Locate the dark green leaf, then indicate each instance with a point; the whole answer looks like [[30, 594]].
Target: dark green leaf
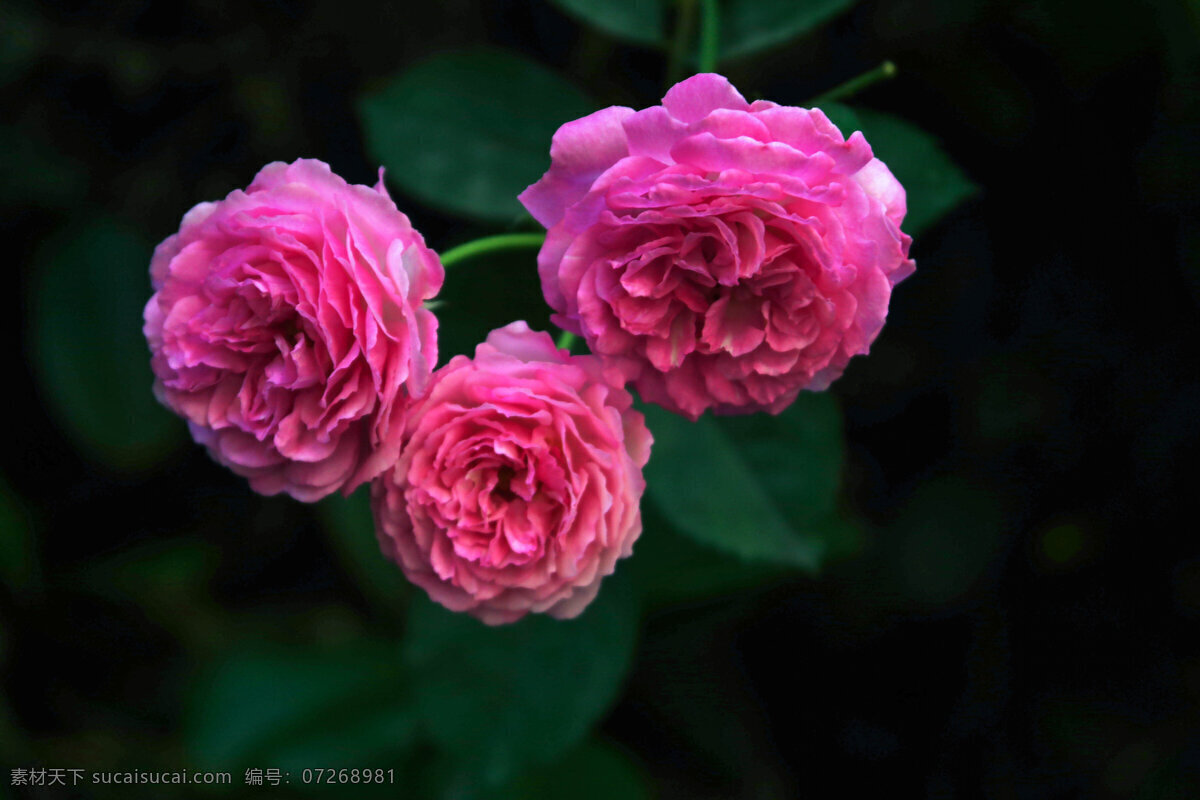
[[595, 771], [669, 568], [707, 488], [351, 531], [89, 288], [796, 455], [499, 698], [293, 708], [639, 21], [933, 183], [467, 132], [748, 26]]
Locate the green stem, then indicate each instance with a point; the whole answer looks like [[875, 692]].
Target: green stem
[[710, 35], [489, 244], [565, 341], [684, 22], [855, 85]]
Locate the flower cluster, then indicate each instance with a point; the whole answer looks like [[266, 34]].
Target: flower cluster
[[713, 253]]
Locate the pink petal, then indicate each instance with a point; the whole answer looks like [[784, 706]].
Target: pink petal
[[693, 99], [579, 152]]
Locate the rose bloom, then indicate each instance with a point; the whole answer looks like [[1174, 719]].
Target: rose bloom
[[287, 328], [732, 253], [519, 484]]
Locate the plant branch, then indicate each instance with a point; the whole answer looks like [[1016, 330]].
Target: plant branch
[[490, 244], [853, 86]]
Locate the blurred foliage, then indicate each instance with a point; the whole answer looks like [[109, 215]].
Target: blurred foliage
[[638, 21], [91, 283], [351, 533], [298, 707], [673, 568], [31, 171], [934, 185], [746, 26], [498, 698], [594, 771], [459, 131], [767, 486], [944, 541]]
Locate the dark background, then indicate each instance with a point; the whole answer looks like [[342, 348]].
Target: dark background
[[1022, 619]]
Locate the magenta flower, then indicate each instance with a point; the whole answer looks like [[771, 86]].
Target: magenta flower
[[519, 484], [730, 253], [287, 328]]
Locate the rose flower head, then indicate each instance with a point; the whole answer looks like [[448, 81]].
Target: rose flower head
[[287, 328], [731, 253], [519, 484]]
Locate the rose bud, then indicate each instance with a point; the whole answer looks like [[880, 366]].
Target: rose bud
[[519, 484], [287, 328], [730, 253]]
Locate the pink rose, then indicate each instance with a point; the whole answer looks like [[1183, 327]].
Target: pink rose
[[731, 253], [519, 483], [287, 328]]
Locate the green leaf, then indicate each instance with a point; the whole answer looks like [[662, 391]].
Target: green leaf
[[639, 21], [89, 288], [796, 455], [595, 771], [467, 132], [933, 183], [351, 531], [292, 708], [499, 698], [713, 488], [748, 26], [669, 568]]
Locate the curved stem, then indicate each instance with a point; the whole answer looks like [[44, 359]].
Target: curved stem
[[489, 244], [565, 341], [855, 85], [710, 35]]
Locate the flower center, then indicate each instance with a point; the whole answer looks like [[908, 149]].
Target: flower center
[[502, 489]]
